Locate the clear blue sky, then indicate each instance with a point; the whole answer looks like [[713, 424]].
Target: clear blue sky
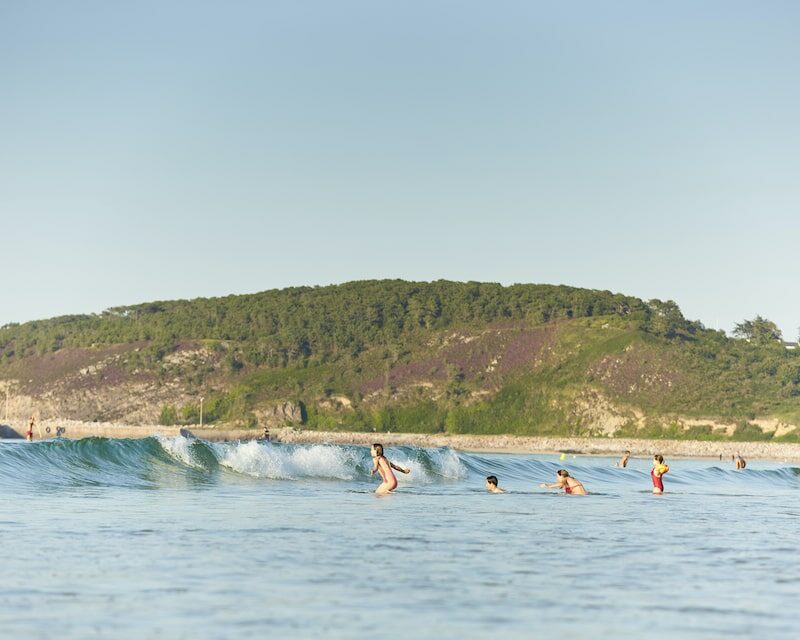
[[158, 150]]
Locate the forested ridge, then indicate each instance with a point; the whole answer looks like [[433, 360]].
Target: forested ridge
[[279, 327]]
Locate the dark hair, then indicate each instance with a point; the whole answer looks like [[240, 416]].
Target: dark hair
[[492, 480], [659, 457], [627, 453], [378, 449], [563, 473]]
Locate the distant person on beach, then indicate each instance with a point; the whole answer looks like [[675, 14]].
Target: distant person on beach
[[491, 485], [29, 434], [623, 462], [658, 470], [741, 463], [384, 466], [567, 483]]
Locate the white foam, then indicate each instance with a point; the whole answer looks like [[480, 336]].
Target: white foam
[[281, 463], [180, 448], [450, 465], [444, 463], [327, 462]]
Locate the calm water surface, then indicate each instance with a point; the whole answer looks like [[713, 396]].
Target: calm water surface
[[172, 538]]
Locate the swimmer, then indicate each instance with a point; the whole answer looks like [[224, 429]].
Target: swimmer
[[566, 482], [740, 462], [623, 462], [29, 434], [491, 485], [658, 470], [384, 466]]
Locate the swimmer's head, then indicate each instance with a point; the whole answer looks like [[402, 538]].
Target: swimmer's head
[[491, 480], [563, 473], [659, 458], [377, 449]]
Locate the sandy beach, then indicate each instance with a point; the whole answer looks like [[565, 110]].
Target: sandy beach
[[488, 443]]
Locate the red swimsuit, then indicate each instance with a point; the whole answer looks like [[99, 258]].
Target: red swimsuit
[[657, 482]]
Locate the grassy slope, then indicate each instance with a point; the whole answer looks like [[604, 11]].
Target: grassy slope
[[634, 370]]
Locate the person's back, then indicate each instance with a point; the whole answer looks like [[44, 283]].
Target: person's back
[[574, 487]]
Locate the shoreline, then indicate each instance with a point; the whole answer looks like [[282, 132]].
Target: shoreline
[[75, 430], [611, 447]]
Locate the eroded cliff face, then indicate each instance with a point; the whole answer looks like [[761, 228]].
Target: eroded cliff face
[[281, 414], [108, 383], [138, 403], [127, 403], [98, 384]]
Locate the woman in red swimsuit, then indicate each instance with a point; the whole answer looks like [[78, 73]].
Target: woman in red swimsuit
[[566, 482], [658, 470]]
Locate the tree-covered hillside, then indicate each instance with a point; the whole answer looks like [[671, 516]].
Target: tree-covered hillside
[[282, 327], [440, 356]]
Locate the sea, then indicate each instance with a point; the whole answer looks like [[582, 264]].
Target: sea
[[173, 537]]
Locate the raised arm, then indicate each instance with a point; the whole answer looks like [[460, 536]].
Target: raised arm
[[400, 469]]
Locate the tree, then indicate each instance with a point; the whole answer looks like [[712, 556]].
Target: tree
[[758, 331], [665, 318], [169, 415]]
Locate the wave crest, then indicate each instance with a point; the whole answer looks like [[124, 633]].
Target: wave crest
[[158, 461]]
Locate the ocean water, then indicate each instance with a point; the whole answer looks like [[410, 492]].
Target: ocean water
[[178, 538]]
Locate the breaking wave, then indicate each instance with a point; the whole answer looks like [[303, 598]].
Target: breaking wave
[[164, 461]]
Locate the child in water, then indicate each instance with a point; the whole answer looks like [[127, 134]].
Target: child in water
[[384, 466], [566, 482], [491, 485], [659, 469]]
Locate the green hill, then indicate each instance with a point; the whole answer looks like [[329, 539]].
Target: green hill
[[408, 356]]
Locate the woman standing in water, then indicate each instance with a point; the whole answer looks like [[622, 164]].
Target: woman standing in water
[[384, 466], [658, 470]]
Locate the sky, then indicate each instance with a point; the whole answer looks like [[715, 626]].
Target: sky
[[157, 150]]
